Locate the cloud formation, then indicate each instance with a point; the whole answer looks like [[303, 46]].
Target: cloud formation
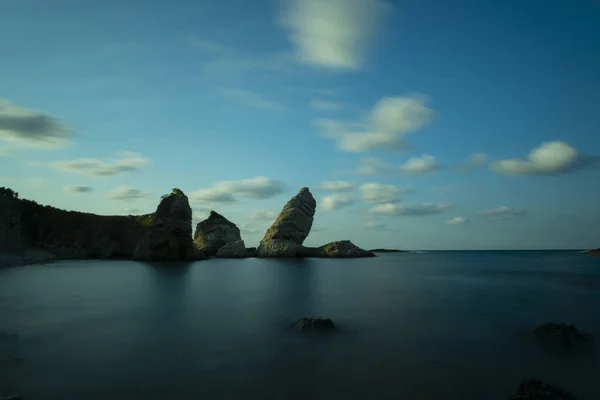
[[30, 128], [457, 221], [337, 186], [127, 194], [263, 215], [502, 212], [550, 158], [255, 100], [78, 189], [332, 34], [393, 209], [325, 105], [223, 192], [424, 164], [126, 162], [375, 225], [335, 202], [420, 165], [380, 193]]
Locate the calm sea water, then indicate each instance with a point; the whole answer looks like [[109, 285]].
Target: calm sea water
[[441, 325]]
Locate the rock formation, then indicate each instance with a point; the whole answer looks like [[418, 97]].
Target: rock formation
[[592, 252], [215, 232], [235, 249], [561, 336], [313, 325], [533, 389], [10, 227], [170, 234], [342, 249], [285, 236]]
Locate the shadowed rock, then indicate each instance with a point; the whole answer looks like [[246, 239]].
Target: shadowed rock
[[561, 335], [534, 389], [235, 249], [342, 249], [313, 325], [215, 232], [285, 236], [170, 235]]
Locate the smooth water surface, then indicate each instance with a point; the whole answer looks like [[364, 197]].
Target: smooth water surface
[[440, 325]]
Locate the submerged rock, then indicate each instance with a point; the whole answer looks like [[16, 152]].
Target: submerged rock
[[215, 232], [170, 235], [342, 249], [235, 249], [313, 325], [534, 389], [285, 236], [561, 335]]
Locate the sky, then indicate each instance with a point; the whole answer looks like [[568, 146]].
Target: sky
[[416, 124]]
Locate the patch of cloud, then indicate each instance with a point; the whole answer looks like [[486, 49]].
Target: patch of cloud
[[381, 193], [255, 100], [335, 202], [385, 128], [502, 212], [31, 128], [263, 215], [550, 158], [457, 221], [370, 166], [420, 165], [258, 188], [78, 189], [394, 209], [4, 151], [132, 211], [375, 225], [247, 229], [333, 34], [127, 194], [337, 186], [325, 105], [126, 162]]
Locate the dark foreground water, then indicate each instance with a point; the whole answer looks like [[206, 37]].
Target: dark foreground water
[[443, 325]]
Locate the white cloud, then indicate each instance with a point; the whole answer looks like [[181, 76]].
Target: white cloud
[[258, 188], [127, 161], [393, 209], [372, 224], [370, 166], [325, 105], [335, 202], [264, 215], [457, 221], [386, 126], [337, 186], [247, 229], [420, 165], [127, 194], [31, 128], [332, 33], [380, 193], [474, 161], [502, 212], [548, 159], [78, 189], [255, 100]]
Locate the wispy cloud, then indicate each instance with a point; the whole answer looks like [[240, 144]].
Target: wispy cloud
[[374, 224], [263, 215], [127, 194], [386, 127], [474, 161], [335, 202], [333, 34], [255, 100], [30, 128], [502, 212], [126, 162], [225, 192], [337, 186], [325, 105], [457, 221], [550, 158], [394, 209], [78, 189], [420, 165], [424, 164], [381, 193]]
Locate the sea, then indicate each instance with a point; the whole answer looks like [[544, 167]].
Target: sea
[[443, 325]]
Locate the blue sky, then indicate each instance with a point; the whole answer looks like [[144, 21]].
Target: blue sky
[[417, 124]]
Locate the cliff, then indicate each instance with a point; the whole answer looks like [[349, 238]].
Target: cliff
[[215, 232]]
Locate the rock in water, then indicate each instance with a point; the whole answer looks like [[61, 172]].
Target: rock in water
[[534, 389], [285, 237], [343, 249], [235, 249], [170, 235], [215, 232], [564, 336], [313, 325]]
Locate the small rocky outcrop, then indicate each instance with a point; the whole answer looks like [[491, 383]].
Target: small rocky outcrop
[[533, 389], [564, 336], [592, 252], [313, 325], [235, 249], [342, 249], [215, 232], [170, 235], [285, 236]]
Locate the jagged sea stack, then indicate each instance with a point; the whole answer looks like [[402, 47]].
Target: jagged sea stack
[[215, 232], [170, 235], [285, 236]]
